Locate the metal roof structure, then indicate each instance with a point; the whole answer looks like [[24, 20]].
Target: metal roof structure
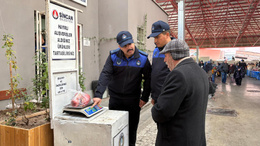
[[216, 23]]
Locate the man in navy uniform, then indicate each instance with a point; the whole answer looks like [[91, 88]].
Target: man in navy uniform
[[161, 34], [123, 73]]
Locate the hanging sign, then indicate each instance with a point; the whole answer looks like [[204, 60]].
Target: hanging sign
[[82, 2], [62, 32]]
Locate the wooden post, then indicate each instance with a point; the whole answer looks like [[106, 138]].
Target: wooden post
[[12, 86]]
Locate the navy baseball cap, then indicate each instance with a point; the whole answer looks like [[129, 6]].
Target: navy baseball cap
[[158, 27], [123, 38]]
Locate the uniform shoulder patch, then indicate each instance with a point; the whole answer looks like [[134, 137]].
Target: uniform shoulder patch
[[143, 53], [114, 51], [156, 50]]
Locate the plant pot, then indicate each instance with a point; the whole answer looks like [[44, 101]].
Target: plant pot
[[38, 136]]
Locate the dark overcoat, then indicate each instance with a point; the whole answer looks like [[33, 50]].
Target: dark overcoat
[[181, 108]]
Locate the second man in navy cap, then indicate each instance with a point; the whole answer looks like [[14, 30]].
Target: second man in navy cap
[[123, 73], [161, 34]]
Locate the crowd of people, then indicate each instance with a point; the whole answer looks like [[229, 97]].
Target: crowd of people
[[236, 71]]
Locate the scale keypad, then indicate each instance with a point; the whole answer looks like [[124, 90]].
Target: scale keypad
[[93, 110]]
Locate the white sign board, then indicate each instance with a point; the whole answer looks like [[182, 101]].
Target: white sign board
[[62, 32], [61, 85], [62, 55], [82, 2]]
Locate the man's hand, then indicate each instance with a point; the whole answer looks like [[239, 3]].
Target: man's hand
[[141, 103], [96, 101], [152, 101]]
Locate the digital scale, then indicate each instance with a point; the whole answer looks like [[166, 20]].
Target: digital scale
[[87, 111]]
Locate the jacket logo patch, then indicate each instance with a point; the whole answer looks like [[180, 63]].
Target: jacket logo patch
[[155, 53], [138, 62], [118, 61]]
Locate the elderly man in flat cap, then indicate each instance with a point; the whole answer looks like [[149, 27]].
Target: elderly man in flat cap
[[181, 107]]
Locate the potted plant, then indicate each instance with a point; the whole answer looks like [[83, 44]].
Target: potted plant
[[10, 134]]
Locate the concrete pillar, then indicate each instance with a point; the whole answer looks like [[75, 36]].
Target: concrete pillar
[[197, 54], [181, 20]]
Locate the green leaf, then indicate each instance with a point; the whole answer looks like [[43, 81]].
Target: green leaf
[[43, 92]]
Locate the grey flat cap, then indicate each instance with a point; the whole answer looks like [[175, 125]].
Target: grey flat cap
[[178, 49]]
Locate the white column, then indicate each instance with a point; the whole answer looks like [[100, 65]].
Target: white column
[[197, 54], [181, 20]]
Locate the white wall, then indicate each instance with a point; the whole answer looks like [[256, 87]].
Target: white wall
[[17, 18], [137, 10], [119, 15], [101, 21], [112, 20]]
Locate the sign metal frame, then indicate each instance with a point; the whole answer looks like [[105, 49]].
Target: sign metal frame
[[66, 67]]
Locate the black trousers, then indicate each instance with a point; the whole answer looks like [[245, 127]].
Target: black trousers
[[132, 106], [238, 81]]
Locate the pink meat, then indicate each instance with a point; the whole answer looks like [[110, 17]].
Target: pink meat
[[80, 100]]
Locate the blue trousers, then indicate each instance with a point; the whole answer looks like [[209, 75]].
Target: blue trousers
[[213, 77], [224, 77]]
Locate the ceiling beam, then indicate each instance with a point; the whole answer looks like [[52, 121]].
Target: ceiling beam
[[251, 9], [217, 24], [206, 26], [221, 7], [256, 41]]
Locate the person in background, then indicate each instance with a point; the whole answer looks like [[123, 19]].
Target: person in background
[[161, 35], [231, 69], [209, 68], [214, 71], [123, 73], [205, 67], [218, 69], [212, 84], [224, 70], [201, 64], [242, 65], [181, 107], [42, 43], [238, 75]]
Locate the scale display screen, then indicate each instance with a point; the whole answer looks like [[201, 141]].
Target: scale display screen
[[91, 111], [87, 111]]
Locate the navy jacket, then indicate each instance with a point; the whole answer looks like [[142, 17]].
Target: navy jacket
[[159, 73], [224, 67], [180, 110], [123, 76]]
